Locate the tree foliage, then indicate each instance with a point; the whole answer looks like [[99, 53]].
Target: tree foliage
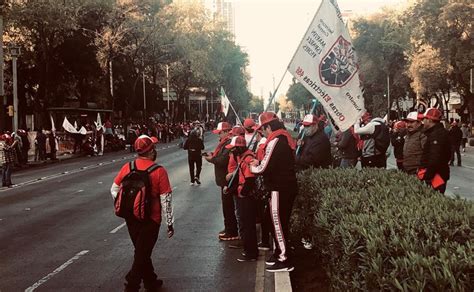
[[72, 50]]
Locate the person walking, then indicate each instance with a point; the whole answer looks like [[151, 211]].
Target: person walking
[[144, 234], [7, 158], [194, 145], [455, 138], [434, 169], [415, 141], [279, 175], [315, 146], [465, 135], [220, 159]]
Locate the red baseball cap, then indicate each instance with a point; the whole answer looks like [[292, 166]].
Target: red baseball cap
[[433, 114], [144, 144], [310, 120], [400, 125], [238, 131], [249, 123], [265, 118], [222, 126], [237, 141]]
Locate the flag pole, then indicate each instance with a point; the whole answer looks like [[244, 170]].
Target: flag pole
[[233, 109]]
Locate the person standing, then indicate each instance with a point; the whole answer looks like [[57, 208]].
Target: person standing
[[245, 189], [455, 138], [376, 137], [436, 155], [220, 159], [144, 234], [249, 126], [465, 136], [348, 148], [397, 138], [315, 146], [415, 141], [279, 175], [7, 158], [194, 145]]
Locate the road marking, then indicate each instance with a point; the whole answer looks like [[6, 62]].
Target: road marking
[[260, 273], [52, 274], [282, 282], [118, 228]]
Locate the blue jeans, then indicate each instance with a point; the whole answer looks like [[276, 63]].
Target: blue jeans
[[7, 174], [348, 162]]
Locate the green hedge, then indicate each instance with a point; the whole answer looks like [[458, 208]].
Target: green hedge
[[384, 230]]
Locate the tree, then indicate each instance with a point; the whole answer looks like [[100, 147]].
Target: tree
[[299, 95]]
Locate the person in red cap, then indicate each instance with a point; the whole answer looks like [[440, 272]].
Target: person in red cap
[[279, 176], [144, 234], [376, 137], [455, 138], [397, 138], [415, 141], [250, 127], [244, 184], [220, 159], [315, 146], [437, 151]]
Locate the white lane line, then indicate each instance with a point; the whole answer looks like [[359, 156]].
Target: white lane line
[[118, 228], [52, 274]]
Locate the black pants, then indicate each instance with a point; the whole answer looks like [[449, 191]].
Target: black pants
[[265, 220], [379, 161], [455, 149], [192, 163], [228, 209], [248, 218], [144, 236], [280, 206]]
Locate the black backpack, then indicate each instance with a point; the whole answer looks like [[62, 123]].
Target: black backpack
[[381, 137], [134, 197]]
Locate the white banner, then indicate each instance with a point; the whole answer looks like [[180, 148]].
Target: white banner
[[326, 64], [225, 102]]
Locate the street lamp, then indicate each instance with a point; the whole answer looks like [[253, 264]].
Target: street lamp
[[14, 53]]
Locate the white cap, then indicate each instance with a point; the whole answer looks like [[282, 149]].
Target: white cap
[[413, 116]]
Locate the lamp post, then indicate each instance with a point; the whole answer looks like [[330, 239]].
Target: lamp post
[[14, 53], [168, 86]]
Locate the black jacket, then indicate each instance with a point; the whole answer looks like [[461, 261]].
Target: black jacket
[[194, 145], [315, 152], [455, 136], [348, 146], [278, 166], [397, 140], [220, 161], [437, 153]]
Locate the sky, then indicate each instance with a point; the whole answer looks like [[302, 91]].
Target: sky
[[270, 31]]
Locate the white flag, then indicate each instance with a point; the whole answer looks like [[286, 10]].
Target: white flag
[[225, 102], [98, 124], [53, 128], [68, 127], [326, 64]]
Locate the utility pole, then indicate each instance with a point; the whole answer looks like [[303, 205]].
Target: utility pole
[[144, 93], [388, 98], [15, 52], [168, 87]]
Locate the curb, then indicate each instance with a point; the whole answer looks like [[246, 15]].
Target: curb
[[282, 282]]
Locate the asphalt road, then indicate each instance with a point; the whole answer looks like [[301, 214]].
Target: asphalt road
[[58, 231]]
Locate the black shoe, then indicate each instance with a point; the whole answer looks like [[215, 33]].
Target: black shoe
[[155, 287], [196, 179], [236, 244], [280, 267], [271, 260], [246, 258], [263, 246]]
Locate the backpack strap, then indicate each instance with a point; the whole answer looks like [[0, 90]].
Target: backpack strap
[[152, 168], [132, 166]]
